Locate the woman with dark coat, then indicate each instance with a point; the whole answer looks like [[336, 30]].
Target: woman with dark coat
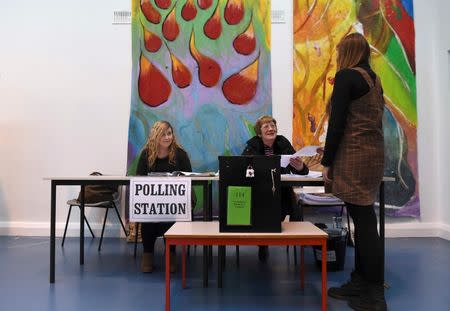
[[267, 142]]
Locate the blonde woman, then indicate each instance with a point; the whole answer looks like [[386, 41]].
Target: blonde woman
[[353, 163], [161, 153]]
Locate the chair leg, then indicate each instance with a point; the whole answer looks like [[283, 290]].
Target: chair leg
[[89, 227], [103, 230], [65, 228], [120, 219]]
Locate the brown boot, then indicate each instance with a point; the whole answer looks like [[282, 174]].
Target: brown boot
[[173, 262], [147, 263]]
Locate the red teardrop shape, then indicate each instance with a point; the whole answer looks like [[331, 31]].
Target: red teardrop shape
[[170, 28], [240, 87], [180, 73], [189, 11], [163, 4], [213, 27], [204, 4], [152, 41], [208, 70], [245, 43], [154, 89], [150, 13], [234, 12]]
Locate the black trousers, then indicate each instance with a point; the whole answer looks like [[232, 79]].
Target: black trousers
[[150, 231], [368, 246]]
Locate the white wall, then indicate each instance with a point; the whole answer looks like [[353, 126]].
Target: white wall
[[65, 96], [443, 82]]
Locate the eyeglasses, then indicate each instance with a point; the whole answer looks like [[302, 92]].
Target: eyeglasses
[[270, 125]]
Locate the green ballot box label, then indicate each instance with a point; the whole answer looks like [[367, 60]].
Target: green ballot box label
[[239, 202]]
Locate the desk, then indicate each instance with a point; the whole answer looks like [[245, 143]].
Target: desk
[[207, 233], [103, 180], [292, 180]]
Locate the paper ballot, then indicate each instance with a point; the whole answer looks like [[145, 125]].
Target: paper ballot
[[307, 151]]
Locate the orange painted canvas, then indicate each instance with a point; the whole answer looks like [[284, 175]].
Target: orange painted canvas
[[389, 27]]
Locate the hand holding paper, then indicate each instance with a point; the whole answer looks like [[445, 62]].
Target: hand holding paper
[[306, 151]]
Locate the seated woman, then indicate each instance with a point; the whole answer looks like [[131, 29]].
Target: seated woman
[[161, 153], [267, 142]]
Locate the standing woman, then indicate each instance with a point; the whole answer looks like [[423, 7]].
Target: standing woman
[[354, 162], [161, 153]]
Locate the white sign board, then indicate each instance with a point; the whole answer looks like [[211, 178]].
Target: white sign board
[[160, 199]]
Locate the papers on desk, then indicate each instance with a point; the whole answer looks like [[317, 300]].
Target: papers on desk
[[319, 199], [314, 174], [180, 173], [195, 174], [307, 151], [311, 174]]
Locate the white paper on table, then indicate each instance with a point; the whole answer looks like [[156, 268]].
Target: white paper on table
[[307, 151]]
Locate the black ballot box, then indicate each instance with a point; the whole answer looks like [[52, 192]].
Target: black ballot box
[[249, 194]]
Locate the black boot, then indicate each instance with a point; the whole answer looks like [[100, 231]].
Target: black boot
[[371, 299], [351, 289]]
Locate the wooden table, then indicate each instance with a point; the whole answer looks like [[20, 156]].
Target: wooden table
[[207, 233]]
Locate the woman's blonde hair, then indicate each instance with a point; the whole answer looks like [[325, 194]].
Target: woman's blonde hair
[[157, 131], [262, 120], [352, 50]]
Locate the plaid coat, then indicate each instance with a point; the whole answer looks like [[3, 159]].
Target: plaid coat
[[359, 163]]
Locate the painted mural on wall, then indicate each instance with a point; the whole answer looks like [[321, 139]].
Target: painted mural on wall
[[204, 66], [389, 27]]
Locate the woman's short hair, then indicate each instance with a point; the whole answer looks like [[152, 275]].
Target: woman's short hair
[[352, 50], [262, 120]]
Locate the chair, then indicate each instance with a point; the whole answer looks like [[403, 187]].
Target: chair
[[104, 204]]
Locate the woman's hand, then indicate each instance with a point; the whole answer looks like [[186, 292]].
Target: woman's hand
[[296, 163], [326, 174]]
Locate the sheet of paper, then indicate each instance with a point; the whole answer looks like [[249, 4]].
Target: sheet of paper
[[307, 151]]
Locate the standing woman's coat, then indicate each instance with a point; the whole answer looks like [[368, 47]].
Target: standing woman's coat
[[358, 166]]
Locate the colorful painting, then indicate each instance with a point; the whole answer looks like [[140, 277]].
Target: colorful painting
[[204, 66], [389, 27]]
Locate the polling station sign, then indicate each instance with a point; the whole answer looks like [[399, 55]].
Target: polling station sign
[[159, 199]]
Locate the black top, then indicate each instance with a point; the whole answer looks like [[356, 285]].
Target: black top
[[348, 85], [281, 145], [182, 163]]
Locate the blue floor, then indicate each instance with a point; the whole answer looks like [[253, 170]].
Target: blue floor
[[417, 270]]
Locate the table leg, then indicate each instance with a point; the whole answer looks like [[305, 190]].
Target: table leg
[[168, 274], [220, 257], [205, 266], [302, 266], [382, 224], [52, 231], [183, 265], [206, 208], [82, 225], [324, 275]]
